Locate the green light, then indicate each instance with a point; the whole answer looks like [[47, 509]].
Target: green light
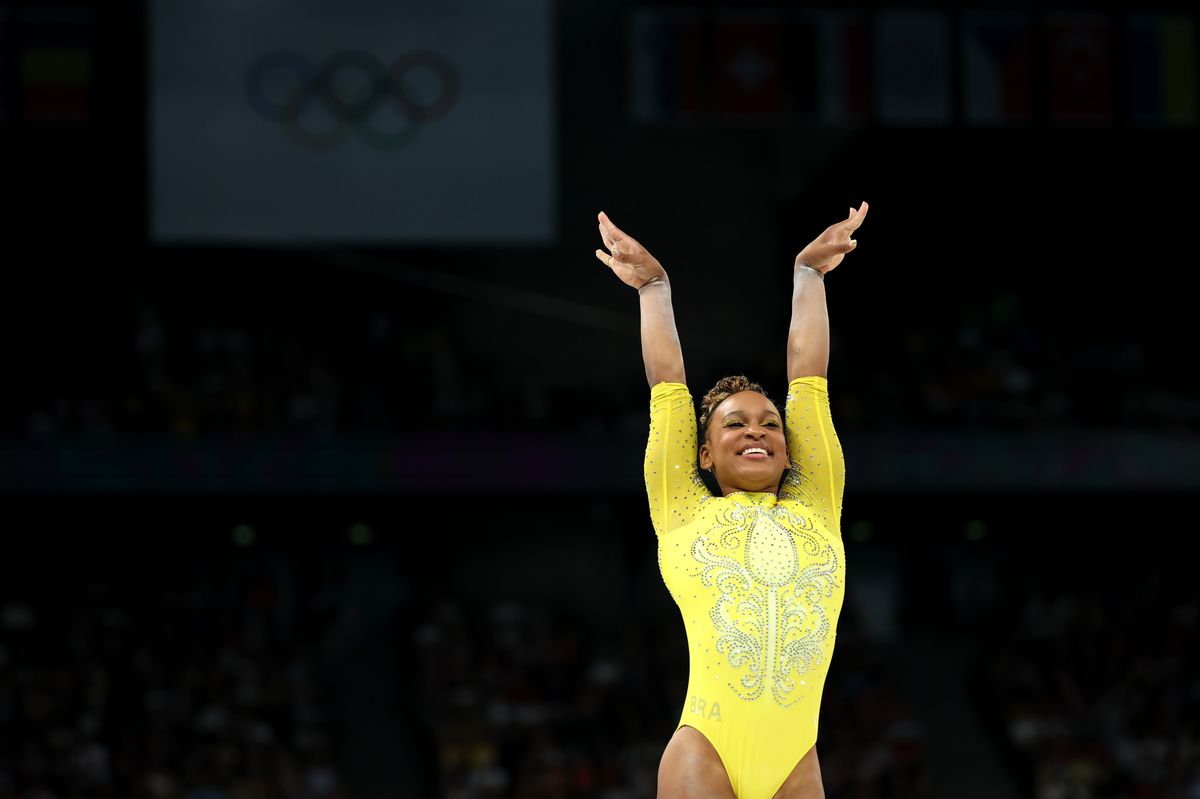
[[360, 534], [862, 531], [975, 530], [243, 535]]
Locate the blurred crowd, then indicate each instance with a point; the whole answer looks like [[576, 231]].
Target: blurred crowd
[[223, 672], [149, 685], [1094, 687], [187, 376], [228, 669], [993, 364], [527, 703]]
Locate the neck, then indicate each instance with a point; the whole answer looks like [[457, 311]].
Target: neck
[[727, 490]]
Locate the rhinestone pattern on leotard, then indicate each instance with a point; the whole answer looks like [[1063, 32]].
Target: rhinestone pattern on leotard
[[775, 576]]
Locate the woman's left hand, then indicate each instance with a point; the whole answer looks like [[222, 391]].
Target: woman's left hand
[[826, 251]]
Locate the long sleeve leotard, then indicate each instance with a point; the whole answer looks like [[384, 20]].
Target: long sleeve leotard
[[759, 581]]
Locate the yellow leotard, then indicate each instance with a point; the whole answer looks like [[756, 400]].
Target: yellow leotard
[[759, 581]]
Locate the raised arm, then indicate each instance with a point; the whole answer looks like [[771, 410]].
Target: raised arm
[[808, 334], [817, 477], [636, 267], [673, 485]]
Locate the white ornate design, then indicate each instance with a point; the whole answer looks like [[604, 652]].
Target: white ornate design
[[774, 573]]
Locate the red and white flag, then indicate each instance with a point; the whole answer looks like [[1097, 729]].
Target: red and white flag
[[748, 65]]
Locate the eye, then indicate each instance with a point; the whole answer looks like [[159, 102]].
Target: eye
[[733, 424], [771, 423]]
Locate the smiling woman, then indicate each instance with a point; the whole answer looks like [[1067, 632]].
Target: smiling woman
[[758, 571], [742, 409]]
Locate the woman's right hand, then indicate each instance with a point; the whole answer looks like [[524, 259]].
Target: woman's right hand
[[629, 260]]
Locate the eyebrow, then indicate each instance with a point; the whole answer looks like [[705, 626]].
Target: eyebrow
[[743, 413]]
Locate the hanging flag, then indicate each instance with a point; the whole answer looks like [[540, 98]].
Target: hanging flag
[[666, 65], [364, 122], [748, 65], [1162, 69], [826, 54], [912, 68], [1079, 68], [55, 63], [997, 61]]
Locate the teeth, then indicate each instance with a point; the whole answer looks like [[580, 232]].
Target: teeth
[[748, 450]]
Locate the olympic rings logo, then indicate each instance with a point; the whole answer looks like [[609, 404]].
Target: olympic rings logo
[[385, 105]]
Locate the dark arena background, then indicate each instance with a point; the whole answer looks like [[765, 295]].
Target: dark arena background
[[323, 427]]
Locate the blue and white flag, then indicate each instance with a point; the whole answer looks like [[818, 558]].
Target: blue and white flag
[[833, 79], [666, 66], [997, 74]]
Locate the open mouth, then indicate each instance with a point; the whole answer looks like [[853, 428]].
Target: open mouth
[[755, 453]]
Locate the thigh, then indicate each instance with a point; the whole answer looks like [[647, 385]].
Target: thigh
[[692, 769], [805, 780]]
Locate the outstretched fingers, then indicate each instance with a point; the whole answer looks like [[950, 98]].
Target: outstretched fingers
[[841, 234], [610, 233], [856, 217]]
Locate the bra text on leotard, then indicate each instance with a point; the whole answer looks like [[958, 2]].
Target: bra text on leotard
[[697, 707]]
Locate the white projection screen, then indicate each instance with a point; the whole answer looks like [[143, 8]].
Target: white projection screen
[[374, 122]]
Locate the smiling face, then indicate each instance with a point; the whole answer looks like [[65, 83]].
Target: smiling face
[[744, 445]]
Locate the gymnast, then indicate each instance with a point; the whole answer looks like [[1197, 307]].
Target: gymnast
[[757, 570]]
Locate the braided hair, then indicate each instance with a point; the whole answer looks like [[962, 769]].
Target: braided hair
[[725, 387]]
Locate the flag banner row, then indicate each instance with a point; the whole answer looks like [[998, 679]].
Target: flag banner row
[[913, 67]]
